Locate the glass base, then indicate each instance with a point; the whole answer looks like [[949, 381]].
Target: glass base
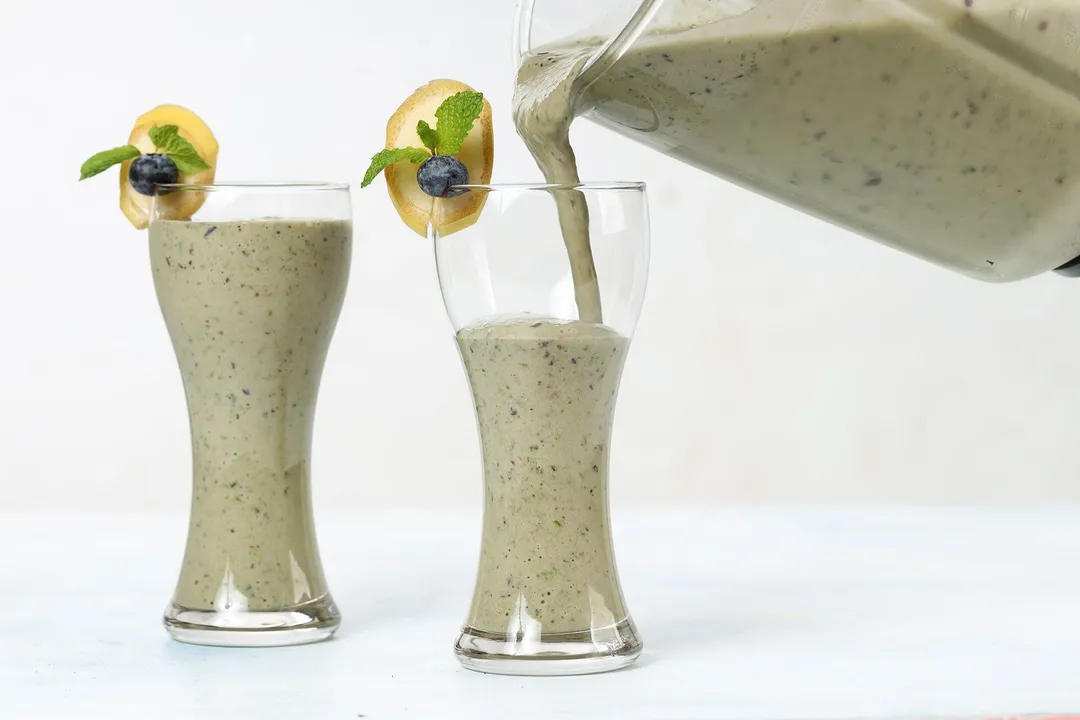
[[572, 653], [296, 625]]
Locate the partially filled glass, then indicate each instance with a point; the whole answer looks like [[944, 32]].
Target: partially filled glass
[[547, 599], [250, 289]]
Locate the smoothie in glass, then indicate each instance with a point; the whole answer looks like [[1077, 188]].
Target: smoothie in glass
[[544, 392], [251, 307]]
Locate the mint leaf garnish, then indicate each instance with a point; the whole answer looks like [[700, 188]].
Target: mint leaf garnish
[[167, 141], [455, 118], [428, 136], [187, 159], [162, 135], [106, 159], [384, 158]]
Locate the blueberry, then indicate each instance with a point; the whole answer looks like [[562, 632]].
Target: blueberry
[[439, 173], [149, 171]]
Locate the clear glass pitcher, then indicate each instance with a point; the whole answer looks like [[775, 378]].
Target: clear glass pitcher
[[949, 129]]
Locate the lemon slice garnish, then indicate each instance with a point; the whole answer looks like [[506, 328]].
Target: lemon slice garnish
[[477, 154], [178, 205]]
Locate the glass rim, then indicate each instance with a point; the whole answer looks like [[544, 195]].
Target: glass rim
[[586, 186], [289, 186]]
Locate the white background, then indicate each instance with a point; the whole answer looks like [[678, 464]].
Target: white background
[[778, 360]]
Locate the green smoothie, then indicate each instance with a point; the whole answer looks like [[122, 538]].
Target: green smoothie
[[545, 393], [251, 307]]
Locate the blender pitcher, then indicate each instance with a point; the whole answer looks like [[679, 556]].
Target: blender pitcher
[[949, 129]]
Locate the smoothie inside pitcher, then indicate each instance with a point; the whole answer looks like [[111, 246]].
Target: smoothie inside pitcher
[[949, 129]]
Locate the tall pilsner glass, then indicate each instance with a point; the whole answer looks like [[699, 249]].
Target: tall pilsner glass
[[251, 289], [547, 599]]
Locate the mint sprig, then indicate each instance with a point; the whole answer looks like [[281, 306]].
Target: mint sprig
[[384, 158], [428, 136], [454, 118], [105, 159], [166, 140]]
